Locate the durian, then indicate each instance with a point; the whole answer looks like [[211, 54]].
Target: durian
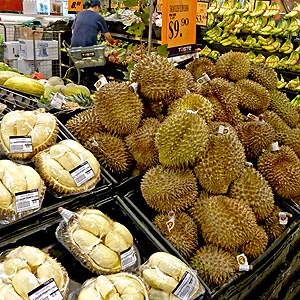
[[253, 97], [111, 151], [119, 109], [141, 144], [233, 65], [183, 236], [251, 187], [282, 170], [85, 124], [167, 189], [202, 65], [291, 138], [255, 137], [192, 85], [281, 105], [264, 75], [222, 163], [194, 102], [214, 265], [181, 139]]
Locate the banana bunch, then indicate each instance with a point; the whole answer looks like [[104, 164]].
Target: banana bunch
[[283, 63], [294, 25], [242, 23], [250, 22], [287, 47], [214, 54], [210, 19], [260, 9], [205, 51], [294, 58], [273, 47], [294, 84], [295, 68], [259, 23], [214, 7], [281, 83], [296, 101], [229, 40], [298, 49], [272, 61], [237, 42], [251, 55], [271, 25], [214, 33], [245, 10], [235, 6], [272, 11], [226, 6], [259, 59], [226, 21], [295, 11], [265, 42], [281, 27], [234, 21]]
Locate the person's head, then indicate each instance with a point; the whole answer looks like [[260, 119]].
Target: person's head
[[93, 5]]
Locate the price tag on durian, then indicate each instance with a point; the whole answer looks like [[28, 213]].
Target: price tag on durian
[[46, 291], [179, 26], [202, 7], [185, 286], [128, 258], [75, 5], [57, 100], [283, 218], [82, 173], [100, 83], [243, 262], [20, 144], [205, 78], [27, 200]]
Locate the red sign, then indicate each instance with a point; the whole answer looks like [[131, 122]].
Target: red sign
[[15, 5]]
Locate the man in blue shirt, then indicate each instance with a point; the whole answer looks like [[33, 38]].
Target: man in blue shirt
[[88, 24]]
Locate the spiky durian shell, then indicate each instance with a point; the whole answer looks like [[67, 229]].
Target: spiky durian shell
[[255, 137], [291, 138], [257, 245], [272, 226], [192, 85], [222, 163], [253, 97], [214, 265], [183, 236], [226, 222], [252, 188], [264, 75], [181, 139], [141, 144], [282, 170], [223, 96], [85, 124], [119, 109], [202, 65], [233, 65], [167, 189], [158, 79], [194, 102], [277, 123], [281, 104], [111, 152]]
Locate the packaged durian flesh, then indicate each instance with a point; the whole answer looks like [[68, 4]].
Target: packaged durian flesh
[[170, 278], [21, 191], [24, 269], [121, 286], [24, 133], [68, 168], [98, 243]]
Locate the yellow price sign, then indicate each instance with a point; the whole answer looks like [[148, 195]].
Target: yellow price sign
[[202, 13], [159, 6], [179, 24], [75, 5]]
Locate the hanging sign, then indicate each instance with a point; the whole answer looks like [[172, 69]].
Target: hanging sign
[[179, 25], [75, 5], [202, 7]]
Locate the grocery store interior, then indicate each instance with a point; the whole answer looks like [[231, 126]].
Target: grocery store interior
[[149, 149]]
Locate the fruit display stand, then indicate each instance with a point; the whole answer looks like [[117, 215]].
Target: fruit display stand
[[270, 269]]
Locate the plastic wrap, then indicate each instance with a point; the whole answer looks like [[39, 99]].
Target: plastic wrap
[[24, 133], [25, 268], [170, 278], [21, 191], [123, 285], [99, 243], [68, 168]]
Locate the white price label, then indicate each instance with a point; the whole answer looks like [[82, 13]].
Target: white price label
[[134, 85], [244, 268], [243, 262], [46, 291], [28, 200], [82, 173], [20, 144], [275, 146], [223, 130], [205, 78], [57, 100], [128, 258], [283, 218], [252, 117], [100, 83], [185, 286]]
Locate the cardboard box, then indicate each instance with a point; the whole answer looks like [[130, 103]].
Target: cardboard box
[[26, 33], [11, 50], [27, 67], [44, 50]]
